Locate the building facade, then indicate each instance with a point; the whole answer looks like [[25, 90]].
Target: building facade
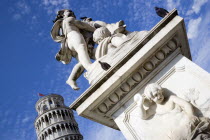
[[55, 121]]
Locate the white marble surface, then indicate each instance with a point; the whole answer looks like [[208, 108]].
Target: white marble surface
[[181, 78], [163, 59]]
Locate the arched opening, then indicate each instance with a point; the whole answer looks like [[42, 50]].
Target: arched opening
[[74, 128], [67, 126], [71, 127], [62, 113], [58, 104], [66, 113], [70, 114], [58, 128], [45, 108], [49, 132], [59, 114], [39, 123], [53, 130], [42, 137], [50, 117], [46, 120], [63, 128], [43, 122], [50, 102], [54, 115], [45, 134]]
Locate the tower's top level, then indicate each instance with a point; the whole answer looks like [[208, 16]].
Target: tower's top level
[[49, 102]]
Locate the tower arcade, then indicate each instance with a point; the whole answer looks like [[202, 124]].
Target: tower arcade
[[55, 120]]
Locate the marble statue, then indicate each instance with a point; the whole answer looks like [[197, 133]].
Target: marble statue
[[71, 36], [78, 68], [154, 105], [67, 31], [113, 36], [177, 107], [76, 38], [106, 41]]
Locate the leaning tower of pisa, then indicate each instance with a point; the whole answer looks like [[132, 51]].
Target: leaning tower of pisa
[[55, 121]]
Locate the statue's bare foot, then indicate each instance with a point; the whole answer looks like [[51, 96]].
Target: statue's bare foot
[[73, 84]]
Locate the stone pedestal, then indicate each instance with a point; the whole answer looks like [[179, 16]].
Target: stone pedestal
[[162, 56]]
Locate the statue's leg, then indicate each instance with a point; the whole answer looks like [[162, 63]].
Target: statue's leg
[[75, 74], [93, 54], [77, 41]]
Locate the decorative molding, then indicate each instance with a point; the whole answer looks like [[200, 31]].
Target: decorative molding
[[127, 119], [173, 27], [171, 72], [141, 73]]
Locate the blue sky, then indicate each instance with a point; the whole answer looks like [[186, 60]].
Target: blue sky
[[27, 54]]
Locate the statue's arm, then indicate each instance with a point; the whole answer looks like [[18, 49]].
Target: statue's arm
[[144, 114], [84, 25], [55, 32], [187, 107]]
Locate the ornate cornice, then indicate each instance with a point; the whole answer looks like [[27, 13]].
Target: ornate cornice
[[141, 73], [117, 66]]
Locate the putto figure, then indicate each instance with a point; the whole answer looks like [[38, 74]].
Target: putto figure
[[76, 38], [67, 31], [159, 103], [182, 122]]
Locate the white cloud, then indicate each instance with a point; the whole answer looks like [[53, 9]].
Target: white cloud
[[141, 14], [21, 9], [171, 4], [193, 28], [99, 6], [26, 119], [200, 45], [197, 4], [66, 4], [53, 6], [203, 54], [16, 16]]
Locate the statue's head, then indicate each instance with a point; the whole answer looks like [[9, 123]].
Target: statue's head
[[64, 13], [118, 27], [68, 13], [154, 92], [100, 33], [86, 19]]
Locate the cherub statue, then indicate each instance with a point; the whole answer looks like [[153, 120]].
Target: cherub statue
[[76, 41], [112, 36], [78, 68], [154, 101], [67, 31], [109, 38]]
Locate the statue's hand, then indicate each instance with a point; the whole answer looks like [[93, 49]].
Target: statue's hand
[[61, 37], [194, 120], [138, 99]]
